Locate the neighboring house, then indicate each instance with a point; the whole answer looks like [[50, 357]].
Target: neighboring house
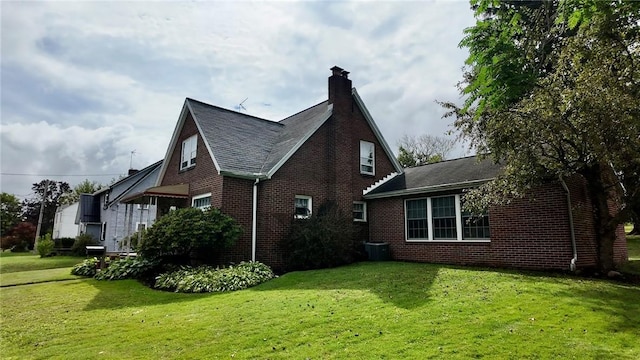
[[64, 222], [109, 220], [265, 174]]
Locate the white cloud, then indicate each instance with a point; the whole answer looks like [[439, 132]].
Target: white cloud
[[85, 83]]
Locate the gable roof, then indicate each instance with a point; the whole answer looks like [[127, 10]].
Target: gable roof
[[445, 175], [246, 146]]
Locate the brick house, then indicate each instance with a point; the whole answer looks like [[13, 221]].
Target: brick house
[[265, 173]]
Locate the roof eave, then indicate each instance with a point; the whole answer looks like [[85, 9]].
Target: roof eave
[[243, 175], [327, 114], [376, 131], [428, 189]]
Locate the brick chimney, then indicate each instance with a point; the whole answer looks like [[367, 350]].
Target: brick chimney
[[339, 85]]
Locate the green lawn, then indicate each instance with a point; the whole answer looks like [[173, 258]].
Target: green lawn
[[364, 311], [15, 262]]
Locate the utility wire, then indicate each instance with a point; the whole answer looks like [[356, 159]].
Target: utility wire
[[22, 174]]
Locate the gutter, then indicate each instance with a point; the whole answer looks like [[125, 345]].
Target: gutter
[[572, 265], [254, 224], [428, 189]]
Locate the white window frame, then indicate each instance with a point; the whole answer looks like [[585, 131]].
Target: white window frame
[[201, 196], [138, 223], [143, 206], [364, 160], [430, 222], [364, 211], [188, 152], [309, 206]]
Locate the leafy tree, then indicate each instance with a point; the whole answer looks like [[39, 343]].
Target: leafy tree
[[31, 207], [424, 149], [553, 89], [85, 187], [183, 233], [10, 212], [20, 238]]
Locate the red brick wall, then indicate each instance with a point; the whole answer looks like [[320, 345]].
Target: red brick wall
[[203, 177], [529, 233], [237, 195], [326, 167]]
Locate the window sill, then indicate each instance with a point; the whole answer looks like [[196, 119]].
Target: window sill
[[449, 241], [359, 221], [186, 169]]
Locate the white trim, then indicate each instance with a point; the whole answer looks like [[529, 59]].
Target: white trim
[[364, 211], [201, 196], [380, 182], [376, 131], [138, 225], [103, 231], [429, 189], [310, 206], [430, 227], [327, 114]]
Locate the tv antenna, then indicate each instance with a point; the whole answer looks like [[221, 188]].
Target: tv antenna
[[241, 107], [131, 159]]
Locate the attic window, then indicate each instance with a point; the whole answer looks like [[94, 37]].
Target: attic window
[[367, 158], [189, 150]]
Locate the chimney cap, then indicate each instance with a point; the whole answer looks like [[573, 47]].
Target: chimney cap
[[337, 70]]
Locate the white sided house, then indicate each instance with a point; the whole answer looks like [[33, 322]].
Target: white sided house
[[64, 223]]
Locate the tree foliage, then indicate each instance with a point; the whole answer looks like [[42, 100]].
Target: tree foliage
[[85, 187], [31, 207], [424, 149], [553, 89], [183, 233], [10, 212]]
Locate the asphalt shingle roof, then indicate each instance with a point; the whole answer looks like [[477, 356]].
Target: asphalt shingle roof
[[449, 172], [250, 145]]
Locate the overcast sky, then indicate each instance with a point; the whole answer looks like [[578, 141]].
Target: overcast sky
[[83, 84]]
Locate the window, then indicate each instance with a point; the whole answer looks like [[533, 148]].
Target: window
[[189, 149], [143, 206], [443, 210], [202, 201], [441, 219], [141, 226], [359, 211], [417, 219], [302, 207], [103, 231], [367, 158]]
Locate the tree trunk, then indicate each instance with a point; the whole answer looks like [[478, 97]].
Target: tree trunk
[[603, 189]]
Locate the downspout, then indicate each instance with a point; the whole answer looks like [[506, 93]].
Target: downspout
[[572, 265], [254, 225]]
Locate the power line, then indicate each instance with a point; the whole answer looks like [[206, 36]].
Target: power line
[[23, 174]]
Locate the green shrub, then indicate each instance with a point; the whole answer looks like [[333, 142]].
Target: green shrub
[[321, 241], [79, 245], [64, 243], [86, 268], [176, 236], [208, 279], [45, 246], [127, 268]]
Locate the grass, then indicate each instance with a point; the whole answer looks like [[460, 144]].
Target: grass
[[16, 262], [36, 276], [633, 247], [363, 311]]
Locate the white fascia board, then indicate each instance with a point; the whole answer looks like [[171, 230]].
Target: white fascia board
[[384, 180], [204, 140], [243, 175], [429, 189], [306, 137], [376, 131]]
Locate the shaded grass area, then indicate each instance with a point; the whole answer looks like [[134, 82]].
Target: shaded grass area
[[36, 276], [362, 311], [15, 262]]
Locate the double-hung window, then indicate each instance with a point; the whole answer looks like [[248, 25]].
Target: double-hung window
[[360, 211], [440, 218], [302, 207], [367, 158], [202, 201], [189, 151]]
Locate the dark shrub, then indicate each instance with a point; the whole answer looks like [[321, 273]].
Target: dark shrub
[[79, 245], [64, 243], [327, 239], [176, 236], [127, 268]]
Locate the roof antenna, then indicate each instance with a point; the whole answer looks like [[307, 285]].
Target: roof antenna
[[241, 107], [131, 159]]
